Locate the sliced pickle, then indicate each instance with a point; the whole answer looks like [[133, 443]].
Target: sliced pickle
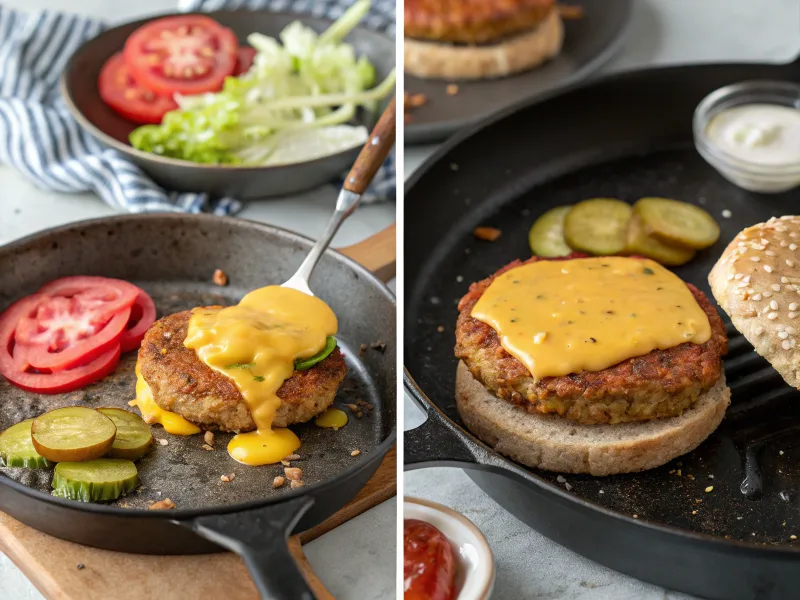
[[641, 244], [546, 236], [133, 438], [73, 434], [598, 226], [306, 363], [677, 222], [16, 448], [95, 480]]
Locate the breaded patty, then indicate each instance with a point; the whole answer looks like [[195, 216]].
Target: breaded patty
[[473, 21], [183, 384], [662, 383]]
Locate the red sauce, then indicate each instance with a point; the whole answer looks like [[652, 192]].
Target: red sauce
[[428, 563]]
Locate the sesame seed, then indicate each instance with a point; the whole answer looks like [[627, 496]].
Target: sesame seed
[[738, 276], [783, 335], [755, 258], [755, 246], [727, 214], [776, 287], [767, 294], [709, 489], [764, 241], [768, 269], [746, 279], [792, 537], [789, 262], [730, 276], [792, 315], [790, 330], [540, 337], [792, 247], [786, 344], [769, 253], [759, 330], [793, 306], [757, 297], [772, 316], [773, 305], [784, 280]]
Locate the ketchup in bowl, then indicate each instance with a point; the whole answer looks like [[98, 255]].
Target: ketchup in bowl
[[429, 567]]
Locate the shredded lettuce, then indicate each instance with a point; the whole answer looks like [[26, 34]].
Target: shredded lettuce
[[294, 104]]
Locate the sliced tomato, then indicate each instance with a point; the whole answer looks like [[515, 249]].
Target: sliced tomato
[[102, 294], [143, 315], [189, 54], [119, 89], [244, 60], [15, 364]]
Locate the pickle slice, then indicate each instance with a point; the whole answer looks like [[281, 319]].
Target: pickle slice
[[677, 222], [16, 448], [72, 434], [546, 236], [94, 480], [598, 226], [306, 363], [641, 244], [133, 438]]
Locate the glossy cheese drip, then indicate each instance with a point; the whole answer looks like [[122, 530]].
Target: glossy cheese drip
[[256, 343], [153, 413], [333, 418], [562, 317]]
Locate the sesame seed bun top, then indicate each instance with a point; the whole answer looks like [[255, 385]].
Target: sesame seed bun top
[[757, 282]]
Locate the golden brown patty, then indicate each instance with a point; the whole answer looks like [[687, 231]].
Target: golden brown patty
[[183, 384], [662, 383], [472, 21]]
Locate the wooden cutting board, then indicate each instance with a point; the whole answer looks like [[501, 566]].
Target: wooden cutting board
[[52, 564]]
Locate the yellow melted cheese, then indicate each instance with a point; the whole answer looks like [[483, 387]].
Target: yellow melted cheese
[[562, 317], [153, 413], [333, 418], [256, 343]]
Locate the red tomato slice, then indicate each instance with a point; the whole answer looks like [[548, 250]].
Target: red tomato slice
[[122, 92], [244, 60], [15, 367], [143, 315], [189, 54], [102, 294]]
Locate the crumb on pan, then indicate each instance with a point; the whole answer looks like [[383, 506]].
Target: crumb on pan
[[220, 278], [227, 478], [293, 473], [379, 346], [355, 453], [278, 481], [164, 504], [294, 484], [487, 234], [208, 438], [452, 89], [569, 12]]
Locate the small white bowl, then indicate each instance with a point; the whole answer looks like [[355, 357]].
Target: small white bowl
[[475, 571]]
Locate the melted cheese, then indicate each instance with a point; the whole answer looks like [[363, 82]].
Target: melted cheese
[[153, 413], [333, 418], [562, 317], [256, 343]]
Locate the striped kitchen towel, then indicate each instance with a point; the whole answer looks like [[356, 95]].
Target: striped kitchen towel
[[40, 139]]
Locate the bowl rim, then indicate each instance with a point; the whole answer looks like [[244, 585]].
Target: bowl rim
[[128, 150], [487, 581]]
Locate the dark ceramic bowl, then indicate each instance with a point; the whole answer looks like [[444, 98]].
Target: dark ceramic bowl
[[79, 88]]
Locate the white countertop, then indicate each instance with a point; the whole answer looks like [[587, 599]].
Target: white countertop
[[663, 32], [356, 560]]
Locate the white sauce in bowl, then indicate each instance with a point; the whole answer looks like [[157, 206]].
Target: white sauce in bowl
[[760, 134]]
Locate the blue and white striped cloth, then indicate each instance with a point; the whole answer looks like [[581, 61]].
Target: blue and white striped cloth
[[40, 139]]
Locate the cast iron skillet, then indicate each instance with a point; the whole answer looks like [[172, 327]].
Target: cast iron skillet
[[173, 257], [589, 43], [624, 136], [79, 89]]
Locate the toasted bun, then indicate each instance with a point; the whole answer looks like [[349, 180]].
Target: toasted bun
[[757, 282], [434, 60], [555, 443]]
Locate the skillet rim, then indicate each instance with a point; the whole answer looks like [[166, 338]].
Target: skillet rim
[[506, 467], [178, 514]]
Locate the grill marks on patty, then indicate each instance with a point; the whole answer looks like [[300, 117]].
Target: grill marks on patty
[[183, 384], [473, 21], [663, 383]]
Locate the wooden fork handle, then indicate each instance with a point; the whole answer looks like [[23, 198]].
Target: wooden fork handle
[[374, 151]]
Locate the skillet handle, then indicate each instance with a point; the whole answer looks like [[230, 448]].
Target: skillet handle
[[377, 253], [261, 537], [438, 443]]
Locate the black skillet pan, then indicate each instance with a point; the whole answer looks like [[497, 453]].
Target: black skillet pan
[[173, 258], [624, 136], [79, 89], [589, 43]]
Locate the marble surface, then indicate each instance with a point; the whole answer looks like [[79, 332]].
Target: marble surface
[[662, 32], [355, 561]]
